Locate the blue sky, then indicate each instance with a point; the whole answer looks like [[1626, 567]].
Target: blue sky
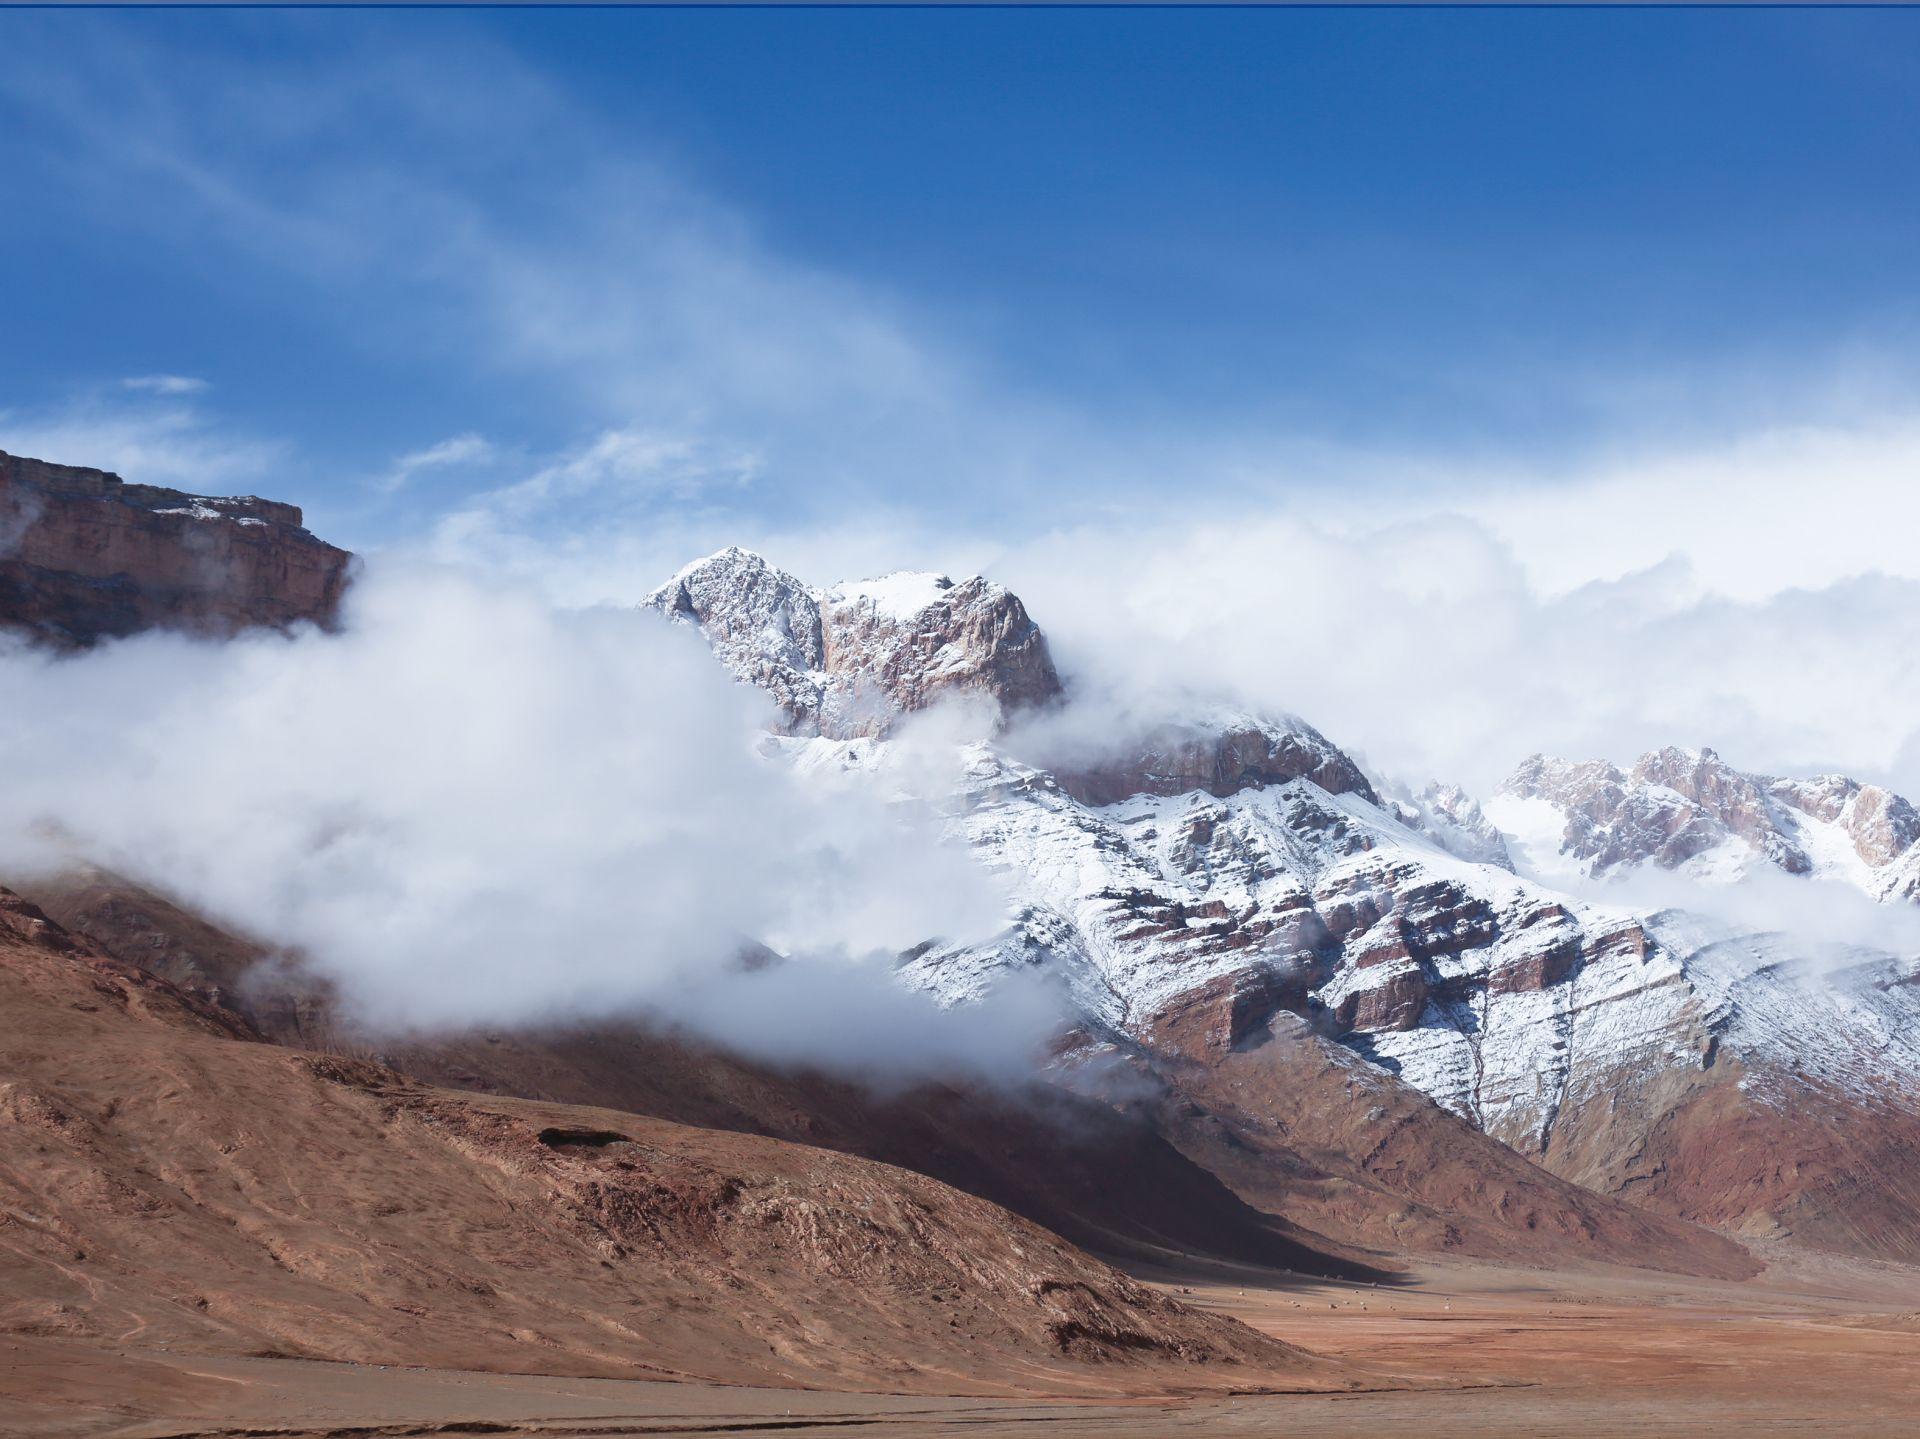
[[989, 269]]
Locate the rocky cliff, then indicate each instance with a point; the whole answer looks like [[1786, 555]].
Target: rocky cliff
[[85, 556]]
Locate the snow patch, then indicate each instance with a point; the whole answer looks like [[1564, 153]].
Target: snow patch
[[898, 596]]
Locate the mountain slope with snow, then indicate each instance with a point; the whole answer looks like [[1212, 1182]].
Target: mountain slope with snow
[[1691, 812], [1571, 1029]]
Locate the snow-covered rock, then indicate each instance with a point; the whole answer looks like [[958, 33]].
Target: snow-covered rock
[[1453, 819], [1691, 812], [1216, 749], [851, 661]]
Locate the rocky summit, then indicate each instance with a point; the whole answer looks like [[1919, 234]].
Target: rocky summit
[[851, 661]]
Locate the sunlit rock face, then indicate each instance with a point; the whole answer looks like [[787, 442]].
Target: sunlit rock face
[[84, 556]]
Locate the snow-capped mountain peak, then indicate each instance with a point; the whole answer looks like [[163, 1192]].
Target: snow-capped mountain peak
[[852, 660], [1237, 865], [899, 596]]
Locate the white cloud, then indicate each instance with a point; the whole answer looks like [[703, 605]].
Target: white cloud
[[1425, 646], [164, 384], [171, 444], [1756, 515], [1826, 921], [599, 522], [472, 808], [456, 451], [467, 449], [618, 468]]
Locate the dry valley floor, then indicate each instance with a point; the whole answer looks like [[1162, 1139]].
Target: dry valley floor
[[1812, 1347]]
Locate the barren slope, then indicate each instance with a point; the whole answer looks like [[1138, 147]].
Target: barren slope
[[1272, 1147], [1092, 1171], [166, 1180], [1282, 1149]]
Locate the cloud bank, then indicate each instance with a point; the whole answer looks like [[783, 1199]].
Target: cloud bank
[[470, 808], [1828, 923], [1761, 598], [1426, 646]]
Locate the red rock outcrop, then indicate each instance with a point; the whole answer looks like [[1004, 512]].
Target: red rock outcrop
[[1826, 1169], [1882, 825], [1220, 755], [85, 556]]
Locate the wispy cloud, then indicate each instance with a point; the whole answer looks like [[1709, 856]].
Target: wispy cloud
[[457, 451], [169, 443], [616, 288], [619, 503], [164, 384]]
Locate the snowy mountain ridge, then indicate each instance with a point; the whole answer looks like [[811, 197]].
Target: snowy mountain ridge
[[1226, 857], [1690, 812]]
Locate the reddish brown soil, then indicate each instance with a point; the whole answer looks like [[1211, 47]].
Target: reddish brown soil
[[1103, 1178], [164, 1181], [1463, 1350], [1299, 1126]]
